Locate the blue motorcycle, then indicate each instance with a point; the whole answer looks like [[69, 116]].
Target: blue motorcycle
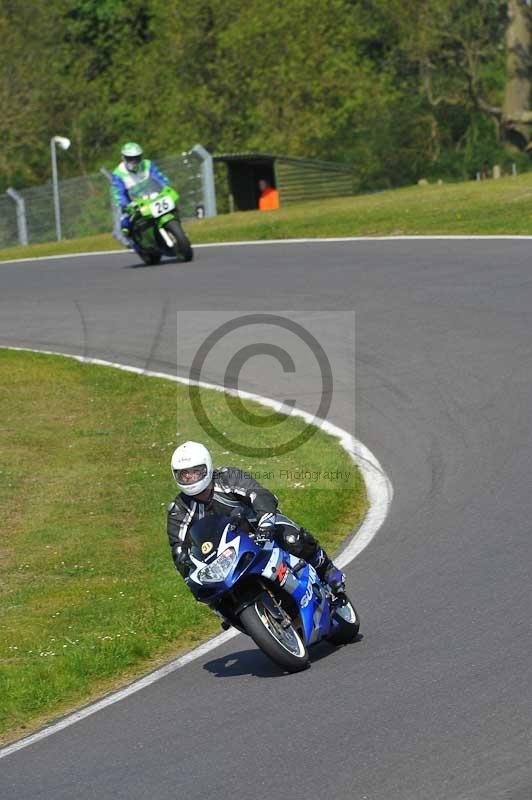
[[265, 592]]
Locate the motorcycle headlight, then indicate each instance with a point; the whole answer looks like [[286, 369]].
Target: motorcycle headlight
[[220, 567]]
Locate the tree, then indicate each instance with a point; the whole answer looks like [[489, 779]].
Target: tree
[[32, 102], [515, 115], [472, 56], [396, 89]]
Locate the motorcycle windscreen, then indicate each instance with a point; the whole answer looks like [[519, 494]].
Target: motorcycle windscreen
[[145, 189], [205, 535]]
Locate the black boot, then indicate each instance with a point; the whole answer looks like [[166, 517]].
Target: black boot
[[328, 572]]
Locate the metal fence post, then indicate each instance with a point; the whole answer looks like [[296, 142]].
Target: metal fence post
[[207, 178], [22, 228]]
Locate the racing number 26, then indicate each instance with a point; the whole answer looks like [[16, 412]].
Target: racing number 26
[[165, 204]]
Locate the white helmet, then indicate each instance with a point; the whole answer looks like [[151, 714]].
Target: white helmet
[[192, 468]]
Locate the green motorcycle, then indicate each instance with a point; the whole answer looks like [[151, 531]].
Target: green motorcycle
[[155, 224]]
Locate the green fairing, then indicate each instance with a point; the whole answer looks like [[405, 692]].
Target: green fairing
[[161, 222], [146, 224], [144, 206]]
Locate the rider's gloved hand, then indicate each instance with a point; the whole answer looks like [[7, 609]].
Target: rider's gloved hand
[[266, 524], [182, 561], [236, 516]]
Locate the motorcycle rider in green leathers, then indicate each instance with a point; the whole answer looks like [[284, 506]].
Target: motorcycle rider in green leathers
[[131, 170]]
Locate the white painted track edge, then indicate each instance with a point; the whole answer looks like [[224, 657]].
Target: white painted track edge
[[379, 490], [332, 239]]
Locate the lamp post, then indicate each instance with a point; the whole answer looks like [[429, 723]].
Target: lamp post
[[64, 144]]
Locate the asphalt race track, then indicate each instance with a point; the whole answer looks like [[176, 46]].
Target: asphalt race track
[[435, 702]]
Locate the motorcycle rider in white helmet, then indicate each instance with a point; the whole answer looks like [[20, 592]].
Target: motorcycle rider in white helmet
[[204, 490]]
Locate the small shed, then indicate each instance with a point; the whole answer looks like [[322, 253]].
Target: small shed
[[296, 179]]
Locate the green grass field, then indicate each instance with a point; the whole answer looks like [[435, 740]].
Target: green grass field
[[489, 207], [89, 594]]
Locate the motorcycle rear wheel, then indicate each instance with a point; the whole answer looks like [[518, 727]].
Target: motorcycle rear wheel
[[283, 645], [183, 246]]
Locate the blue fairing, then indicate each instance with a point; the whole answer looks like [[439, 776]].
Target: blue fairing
[[213, 541], [242, 566], [313, 606]]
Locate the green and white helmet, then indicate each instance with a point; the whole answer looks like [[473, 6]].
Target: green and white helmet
[[132, 156]]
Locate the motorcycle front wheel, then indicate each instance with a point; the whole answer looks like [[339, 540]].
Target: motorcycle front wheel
[[347, 621], [150, 258], [274, 634], [182, 244]]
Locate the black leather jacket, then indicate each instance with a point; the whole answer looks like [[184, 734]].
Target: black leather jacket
[[232, 487]]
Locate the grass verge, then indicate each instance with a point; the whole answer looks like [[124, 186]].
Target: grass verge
[[489, 207], [89, 595]]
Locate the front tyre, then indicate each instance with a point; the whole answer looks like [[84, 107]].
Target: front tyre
[[182, 244], [347, 621], [271, 630], [150, 259]]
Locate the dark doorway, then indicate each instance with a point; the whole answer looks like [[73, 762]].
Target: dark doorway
[[244, 174]]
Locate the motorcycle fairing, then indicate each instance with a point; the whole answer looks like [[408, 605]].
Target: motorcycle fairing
[[268, 562]]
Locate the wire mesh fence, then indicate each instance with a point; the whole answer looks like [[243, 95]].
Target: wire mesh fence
[[85, 208], [86, 204], [8, 223], [184, 173]]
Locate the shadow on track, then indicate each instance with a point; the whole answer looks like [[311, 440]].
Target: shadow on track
[[169, 262], [254, 662], [166, 261]]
